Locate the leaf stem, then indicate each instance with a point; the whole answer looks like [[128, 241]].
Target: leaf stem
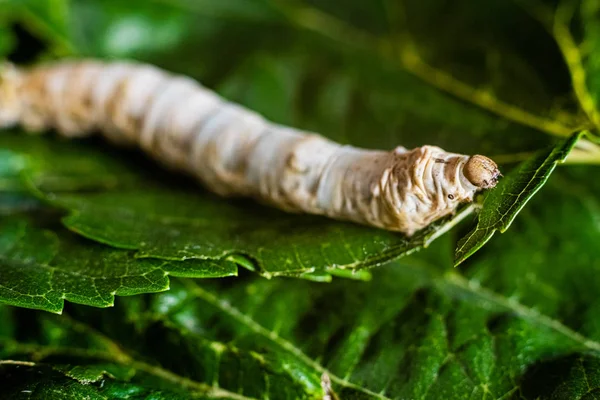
[[17, 362], [445, 82], [202, 388], [572, 57], [557, 24]]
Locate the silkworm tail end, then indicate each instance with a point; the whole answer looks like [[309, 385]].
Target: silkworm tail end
[[10, 109]]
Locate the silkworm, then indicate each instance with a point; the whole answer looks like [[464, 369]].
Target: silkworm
[[236, 152]]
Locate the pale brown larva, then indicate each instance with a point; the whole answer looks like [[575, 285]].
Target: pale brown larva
[[236, 152]]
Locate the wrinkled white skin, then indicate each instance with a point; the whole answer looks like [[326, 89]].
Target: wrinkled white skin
[[234, 151]]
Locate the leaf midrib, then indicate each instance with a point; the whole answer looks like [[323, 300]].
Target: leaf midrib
[[527, 313], [408, 59], [451, 279]]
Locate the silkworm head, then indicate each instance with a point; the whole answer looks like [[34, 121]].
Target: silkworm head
[[481, 172]]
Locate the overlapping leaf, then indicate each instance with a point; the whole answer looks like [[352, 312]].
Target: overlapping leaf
[[42, 264], [502, 205], [418, 330], [41, 268]]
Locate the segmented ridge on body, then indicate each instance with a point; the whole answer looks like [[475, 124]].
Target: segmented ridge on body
[[235, 151]]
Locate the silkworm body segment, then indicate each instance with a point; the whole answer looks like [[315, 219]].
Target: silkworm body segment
[[236, 152]]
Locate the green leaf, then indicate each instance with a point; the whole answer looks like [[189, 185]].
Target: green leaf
[[192, 37], [70, 352], [502, 205], [591, 25], [497, 328], [11, 165], [31, 381], [575, 26], [41, 268], [14, 196], [46, 20], [6, 40], [42, 264]]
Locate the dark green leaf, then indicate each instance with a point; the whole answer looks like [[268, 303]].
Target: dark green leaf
[[418, 330], [44, 383], [42, 264], [502, 205], [46, 20], [11, 165], [575, 26], [591, 24], [14, 196], [6, 40], [41, 267]]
